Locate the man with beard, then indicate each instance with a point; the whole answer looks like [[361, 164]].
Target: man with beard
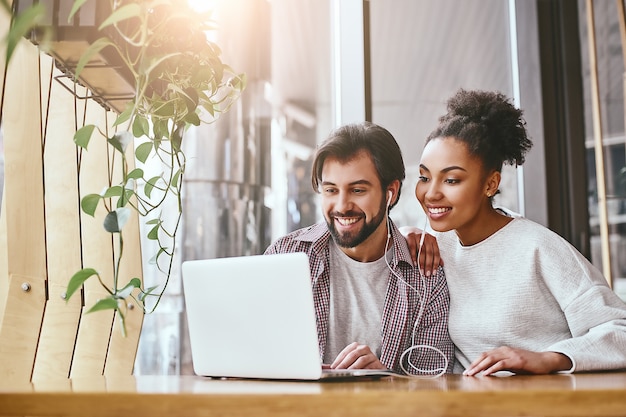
[[374, 308]]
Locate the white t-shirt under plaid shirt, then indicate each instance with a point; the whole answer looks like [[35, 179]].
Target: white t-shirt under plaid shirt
[[401, 306]]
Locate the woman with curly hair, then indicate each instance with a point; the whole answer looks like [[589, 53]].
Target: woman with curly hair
[[522, 299]]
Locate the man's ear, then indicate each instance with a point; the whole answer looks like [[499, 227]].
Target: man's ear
[[392, 192]]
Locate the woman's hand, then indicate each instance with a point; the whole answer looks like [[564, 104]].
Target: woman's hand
[[429, 259], [519, 361]]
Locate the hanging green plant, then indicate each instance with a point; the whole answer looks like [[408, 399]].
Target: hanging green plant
[[179, 80]]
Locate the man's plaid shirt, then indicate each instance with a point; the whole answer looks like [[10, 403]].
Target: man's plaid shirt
[[402, 303]]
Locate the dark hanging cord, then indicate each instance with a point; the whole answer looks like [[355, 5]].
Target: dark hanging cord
[[110, 149], [44, 133]]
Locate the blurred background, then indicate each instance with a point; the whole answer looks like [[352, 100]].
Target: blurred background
[[313, 65]]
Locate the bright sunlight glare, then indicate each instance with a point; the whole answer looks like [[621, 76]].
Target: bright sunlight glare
[[202, 6]]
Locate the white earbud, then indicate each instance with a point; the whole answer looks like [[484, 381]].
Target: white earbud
[[390, 197]]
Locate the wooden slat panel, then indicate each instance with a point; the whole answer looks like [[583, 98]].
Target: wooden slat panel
[[58, 335], [23, 164], [23, 212], [122, 352], [52, 385], [5, 21], [60, 325], [46, 70], [93, 339], [89, 384], [22, 239], [4, 271], [20, 327], [95, 329]]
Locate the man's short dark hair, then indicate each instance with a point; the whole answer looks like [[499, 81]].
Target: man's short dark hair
[[345, 142]]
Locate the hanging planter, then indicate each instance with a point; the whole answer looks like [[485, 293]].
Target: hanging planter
[[107, 78], [152, 63]]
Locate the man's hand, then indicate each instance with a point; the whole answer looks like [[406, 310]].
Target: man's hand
[[519, 361], [355, 356], [429, 259]]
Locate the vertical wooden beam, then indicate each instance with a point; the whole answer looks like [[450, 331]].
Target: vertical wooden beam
[[123, 350], [58, 333], [5, 21], [599, 147], [23, 214], [95, 328], [621, 13]]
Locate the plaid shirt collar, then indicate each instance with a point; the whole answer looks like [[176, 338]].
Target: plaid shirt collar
[[319, 236]]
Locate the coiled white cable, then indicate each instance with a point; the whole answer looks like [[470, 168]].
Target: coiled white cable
[[430, 373]]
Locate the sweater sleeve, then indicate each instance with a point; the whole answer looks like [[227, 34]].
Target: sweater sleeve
[[596, 316], [597, 320]]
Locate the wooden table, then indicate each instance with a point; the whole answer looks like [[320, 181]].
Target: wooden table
[[599, 394]]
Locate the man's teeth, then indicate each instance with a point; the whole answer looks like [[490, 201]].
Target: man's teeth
[[347, 222]]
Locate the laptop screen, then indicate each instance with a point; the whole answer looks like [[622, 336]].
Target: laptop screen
[[252, 317]]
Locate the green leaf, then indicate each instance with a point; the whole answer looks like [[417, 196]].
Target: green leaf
[[135, 174], [209, 107], [158, 141], [21, 25], [125, 12], [147, 292], [153, 221], [155, 258], [192, 118], [177, 137], [77, 281], [110, 222], [77, 5], [153, 234], [203, 74], [89, 203], [159, 127], [143, 151], [238, 82], [125, 115], [140, 126], [83, 136], [121, 140], [175, 178], [136, 282], [92, 50], [165, 109], [114, 191], [155, 62], [128, 194], [191, 99], [150, 184], [128, 289], [109, 303], [115, 220]]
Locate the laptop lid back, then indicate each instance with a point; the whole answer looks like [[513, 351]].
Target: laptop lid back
[[252, 317]]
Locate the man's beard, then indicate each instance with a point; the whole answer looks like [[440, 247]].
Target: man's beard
[[351, 240]]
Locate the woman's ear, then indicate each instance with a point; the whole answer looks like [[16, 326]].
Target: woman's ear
[[493, 183]]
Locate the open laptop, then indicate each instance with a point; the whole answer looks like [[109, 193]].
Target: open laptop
[[253, 317]]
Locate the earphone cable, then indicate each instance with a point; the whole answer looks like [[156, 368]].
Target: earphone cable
[[430, 373]]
